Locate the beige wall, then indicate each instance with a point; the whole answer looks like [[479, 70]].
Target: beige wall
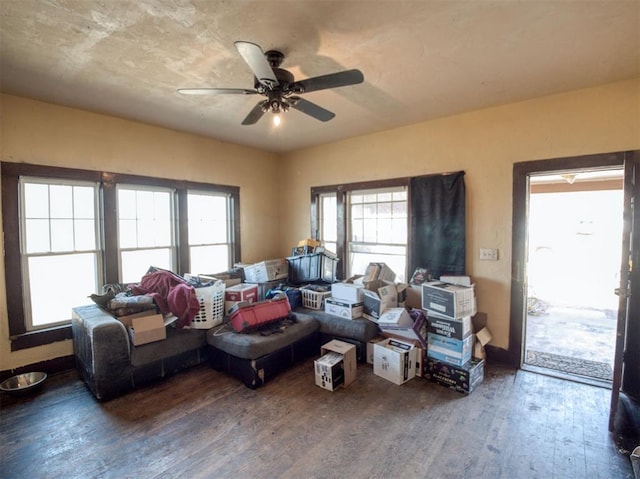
[[485, 144], [44, 134]]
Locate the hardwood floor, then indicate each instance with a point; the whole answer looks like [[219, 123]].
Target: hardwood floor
[[204, 424]]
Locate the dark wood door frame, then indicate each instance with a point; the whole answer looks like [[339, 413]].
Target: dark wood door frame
[[521, 173]]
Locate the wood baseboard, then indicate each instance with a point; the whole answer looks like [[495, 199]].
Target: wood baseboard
[[51, 366]]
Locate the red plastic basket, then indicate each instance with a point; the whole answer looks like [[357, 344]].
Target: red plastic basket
[[246, 317]]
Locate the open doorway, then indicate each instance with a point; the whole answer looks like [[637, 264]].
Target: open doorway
[[575, 222]]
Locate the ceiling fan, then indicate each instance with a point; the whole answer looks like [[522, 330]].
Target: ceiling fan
[[278, 85]]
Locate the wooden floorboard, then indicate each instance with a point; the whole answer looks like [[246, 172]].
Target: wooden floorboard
[[203, 424]]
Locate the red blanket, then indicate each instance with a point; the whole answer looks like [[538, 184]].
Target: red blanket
[[171, 293]]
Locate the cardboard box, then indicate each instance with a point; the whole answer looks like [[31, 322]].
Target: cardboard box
[[264, 288], [329, 371], [241, 292], [394, 360], [378, 272], [449, 350], [450, 300], [395, 318], [339, 360], [265, 271], [413, 297], [378, 300], [459, 280], [450, 328], [370, 345], [416, 331], [347, 291], [421, 353], [482, 339], [145, 327], [463, 379], [343, 309]]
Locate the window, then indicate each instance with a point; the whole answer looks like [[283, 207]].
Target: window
[[61, 256], [327, 220], [377, 229], [145, 231], [364, 222], [210, 235], [67, 232]]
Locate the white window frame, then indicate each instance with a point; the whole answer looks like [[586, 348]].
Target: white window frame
[[229, 239], [25, 255], [375, 248], [172, 230], [330, 244]]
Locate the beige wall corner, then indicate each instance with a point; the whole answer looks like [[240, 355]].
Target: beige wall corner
[[485, 144], [45, 134]]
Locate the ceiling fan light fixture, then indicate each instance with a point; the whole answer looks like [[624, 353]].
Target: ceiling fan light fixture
[[276, 119]]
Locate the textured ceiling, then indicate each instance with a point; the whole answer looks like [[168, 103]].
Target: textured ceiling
[[420, 59]]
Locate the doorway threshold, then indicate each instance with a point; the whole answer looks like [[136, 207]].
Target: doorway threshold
[[567, 376]]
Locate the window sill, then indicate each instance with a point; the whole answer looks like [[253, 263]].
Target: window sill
[[41, 337]]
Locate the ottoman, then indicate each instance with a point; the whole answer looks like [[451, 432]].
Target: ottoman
[[258, 356]]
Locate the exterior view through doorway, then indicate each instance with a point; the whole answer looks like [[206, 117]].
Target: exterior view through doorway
[[575, 224]]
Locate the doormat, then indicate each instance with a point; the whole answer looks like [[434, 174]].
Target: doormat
[[565, 364]]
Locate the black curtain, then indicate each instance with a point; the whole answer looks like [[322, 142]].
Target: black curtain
[[438, 224]]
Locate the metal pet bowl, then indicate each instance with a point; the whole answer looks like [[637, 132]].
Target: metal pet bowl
[[23, 383]]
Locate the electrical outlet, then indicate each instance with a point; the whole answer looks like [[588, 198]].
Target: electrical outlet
[[489, 254]]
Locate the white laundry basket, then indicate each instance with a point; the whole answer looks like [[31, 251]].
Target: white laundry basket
[[211, 313]]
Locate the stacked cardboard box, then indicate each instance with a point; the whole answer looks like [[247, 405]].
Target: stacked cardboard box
[[450, 336], [346, 300], [337, 365], [394, 360]]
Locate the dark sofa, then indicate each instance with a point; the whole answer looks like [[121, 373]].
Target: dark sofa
[[110, 366]]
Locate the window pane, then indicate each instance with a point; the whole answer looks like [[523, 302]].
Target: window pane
[[399, 229], [356, 230], [360, 261], [209, 235], [84, 235], [378, 229], [59, 283], [207, 219], [161, 206], [162, 233], [136, 263], [209, 259], [83, 202], [384, 210], [145, 221], [370, 211], [328, 220], [62, 235], [400, 195], [61, 201], [127, 233], [370, 231], [331, 246], [385, 230], [146, 233], [144, 204], [36, 200], [357, 212], [126, 204], [37, 236]]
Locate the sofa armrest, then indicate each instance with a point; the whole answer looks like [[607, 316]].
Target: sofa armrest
[[102, 351]]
